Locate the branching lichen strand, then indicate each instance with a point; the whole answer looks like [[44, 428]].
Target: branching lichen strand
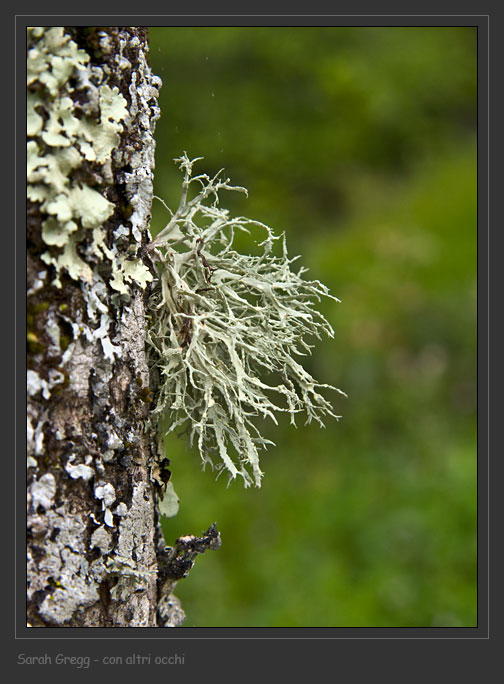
[[225, 321]]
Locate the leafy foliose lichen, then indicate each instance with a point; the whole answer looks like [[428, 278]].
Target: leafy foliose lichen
[[74, 122], [223, 323]]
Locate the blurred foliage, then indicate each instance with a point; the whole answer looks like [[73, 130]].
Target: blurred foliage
[[360, 143]]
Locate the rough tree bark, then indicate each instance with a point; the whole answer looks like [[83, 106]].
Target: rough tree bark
[[96, 556]]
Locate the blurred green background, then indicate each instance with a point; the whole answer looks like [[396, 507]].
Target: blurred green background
[[360, 143]]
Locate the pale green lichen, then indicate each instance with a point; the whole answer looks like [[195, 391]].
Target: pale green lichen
[[226, 329], [57, 233], [70, 261], [60, 140], [85, 204], [102, 138], [34, 121], [52, 58]]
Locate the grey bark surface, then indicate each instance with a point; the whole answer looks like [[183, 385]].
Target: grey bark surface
[[96, 555]]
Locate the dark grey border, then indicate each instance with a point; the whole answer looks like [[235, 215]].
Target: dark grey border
[[193, 642], [483, 338]]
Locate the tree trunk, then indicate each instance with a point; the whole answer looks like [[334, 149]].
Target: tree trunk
[[96, 555]]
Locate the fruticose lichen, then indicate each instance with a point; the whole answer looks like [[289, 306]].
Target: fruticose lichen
[[226, 328]]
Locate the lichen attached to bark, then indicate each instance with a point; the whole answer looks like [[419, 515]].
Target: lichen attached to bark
[[228, 329], [91, 502], [64, 135]]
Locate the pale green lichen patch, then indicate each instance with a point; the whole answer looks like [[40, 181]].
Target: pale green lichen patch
[[57, 233], [102, 138], [62, 126], [34, 121], [52, 58], [135, 270], [124, 271], [70, 261], [62, 137], [85, 204]]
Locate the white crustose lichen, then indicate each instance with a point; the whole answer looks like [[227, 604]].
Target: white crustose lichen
[[223, 323]]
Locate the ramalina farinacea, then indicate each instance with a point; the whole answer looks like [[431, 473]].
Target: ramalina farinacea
[[223, 323]]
